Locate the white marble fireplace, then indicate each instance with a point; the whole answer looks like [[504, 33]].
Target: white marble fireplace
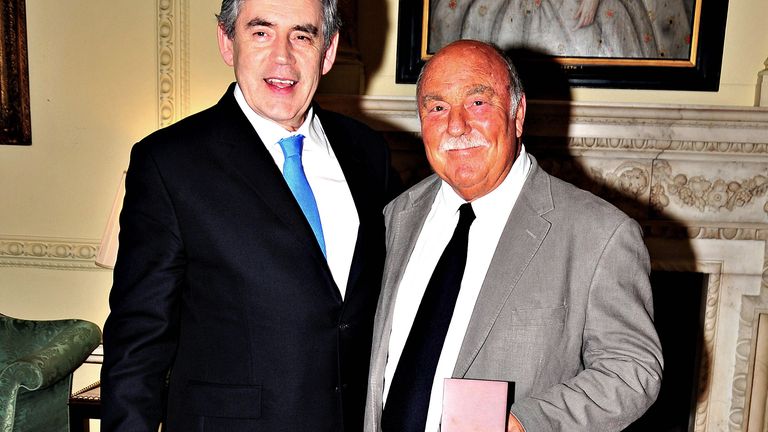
[[696, 178]]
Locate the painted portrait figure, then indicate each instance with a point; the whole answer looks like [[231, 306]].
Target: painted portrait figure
[[568, 28]]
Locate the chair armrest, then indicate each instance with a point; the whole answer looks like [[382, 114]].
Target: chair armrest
[[64, 353]]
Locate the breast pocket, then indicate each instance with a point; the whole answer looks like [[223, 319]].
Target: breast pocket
[[524, 338], [533, 330], [540, 317]]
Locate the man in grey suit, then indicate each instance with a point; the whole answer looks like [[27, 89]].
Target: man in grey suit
[[554, 291]]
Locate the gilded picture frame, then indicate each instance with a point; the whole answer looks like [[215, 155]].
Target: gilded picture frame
[[15, 123]]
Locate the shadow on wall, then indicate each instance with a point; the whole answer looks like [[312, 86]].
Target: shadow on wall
[[362, 40]]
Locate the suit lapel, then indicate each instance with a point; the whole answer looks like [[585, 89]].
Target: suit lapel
[[251, 161], [404, 227], [521, 239], [346, 148]]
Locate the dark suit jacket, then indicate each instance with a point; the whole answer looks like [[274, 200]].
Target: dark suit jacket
[[220, 281]]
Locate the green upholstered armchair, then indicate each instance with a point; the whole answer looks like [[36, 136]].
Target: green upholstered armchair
[[37, 359]]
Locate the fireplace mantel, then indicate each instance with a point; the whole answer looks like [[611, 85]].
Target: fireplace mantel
[[696, 178]]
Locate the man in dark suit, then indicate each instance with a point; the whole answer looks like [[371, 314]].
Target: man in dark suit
[[242, 301], [549, 288]]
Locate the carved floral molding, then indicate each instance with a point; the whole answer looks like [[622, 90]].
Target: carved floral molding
[[715, 194]]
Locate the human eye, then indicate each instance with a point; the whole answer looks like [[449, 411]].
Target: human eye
[[436, 109], [305, 34], [305, 39], [260, 33], [476, 101], [431, 105]]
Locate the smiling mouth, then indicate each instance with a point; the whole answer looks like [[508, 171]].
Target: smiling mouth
[[465, 148], [280, 83], [462, 144]]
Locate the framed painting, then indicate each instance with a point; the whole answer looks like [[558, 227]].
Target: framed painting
[[15, 124], [641, 44]]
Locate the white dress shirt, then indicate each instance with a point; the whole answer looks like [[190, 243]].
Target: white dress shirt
[[491, 215], [338, 214]]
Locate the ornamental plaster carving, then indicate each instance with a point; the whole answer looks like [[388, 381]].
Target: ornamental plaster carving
[[752, 307], [705, 193], [630, 180], [172, 60], [761, 92], [655, 145], [708, 350], [49, 253]]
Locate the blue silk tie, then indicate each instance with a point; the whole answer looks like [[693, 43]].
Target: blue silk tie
[[293, 171]]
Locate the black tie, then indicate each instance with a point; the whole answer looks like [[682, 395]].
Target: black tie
[[408, 399]]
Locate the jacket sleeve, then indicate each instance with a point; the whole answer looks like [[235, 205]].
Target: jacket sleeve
[[621, 353], [140, 334]]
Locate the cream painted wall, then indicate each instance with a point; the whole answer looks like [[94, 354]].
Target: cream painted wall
[[93, 93], [209, 75], [93, 86], [93, 90]]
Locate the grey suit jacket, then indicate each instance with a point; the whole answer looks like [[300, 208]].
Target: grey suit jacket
[[565, 311]]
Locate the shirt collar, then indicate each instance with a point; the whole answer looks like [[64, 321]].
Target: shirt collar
[[271, 132], [502, 196]]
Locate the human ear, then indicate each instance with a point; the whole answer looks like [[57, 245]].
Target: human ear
[[226, 46], [330, 54], [520, 116]]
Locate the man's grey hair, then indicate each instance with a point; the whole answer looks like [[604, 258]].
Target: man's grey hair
[[515, 85], [230, 9]]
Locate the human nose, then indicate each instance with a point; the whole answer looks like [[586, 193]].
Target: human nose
[[283, 53], [457, 121]]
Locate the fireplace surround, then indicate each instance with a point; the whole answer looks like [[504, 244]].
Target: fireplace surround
[[695, 177]]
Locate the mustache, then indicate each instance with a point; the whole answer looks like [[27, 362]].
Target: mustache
[[464, 142]]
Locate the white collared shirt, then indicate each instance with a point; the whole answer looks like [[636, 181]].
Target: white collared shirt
[[491, 215], [338, 214]]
